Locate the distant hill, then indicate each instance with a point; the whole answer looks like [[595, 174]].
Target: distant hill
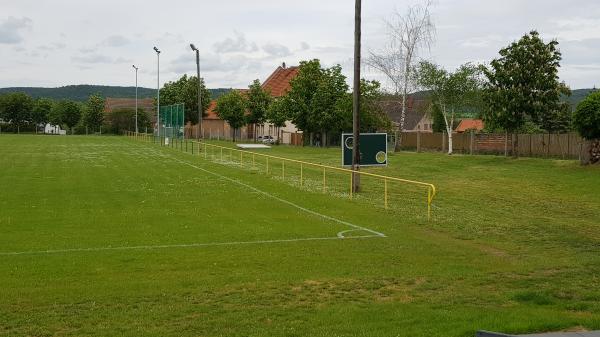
[[577, 96], [82, 92]]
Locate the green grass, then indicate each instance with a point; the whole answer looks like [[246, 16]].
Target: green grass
[[513, 246]]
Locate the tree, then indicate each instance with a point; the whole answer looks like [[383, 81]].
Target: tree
[[67, 113], [314, 96], [231, 107], [123, 119], [451, 93], [185, 90], [93, 114], [523, 84], [258, 103], [408, 33], [17, 109], [372, 116], [586, 121], [41, 111], [277, 113]]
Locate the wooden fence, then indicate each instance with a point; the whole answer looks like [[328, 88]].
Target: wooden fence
[[564, 146]]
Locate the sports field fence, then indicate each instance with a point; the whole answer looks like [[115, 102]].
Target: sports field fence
[[390, 193]]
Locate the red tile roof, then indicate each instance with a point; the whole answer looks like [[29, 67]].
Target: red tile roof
[[277, 84], [210, 112], [279, 81], [469, 124]]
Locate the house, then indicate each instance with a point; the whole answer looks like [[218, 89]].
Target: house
[[468, 124], [417, 118], [278, 84]]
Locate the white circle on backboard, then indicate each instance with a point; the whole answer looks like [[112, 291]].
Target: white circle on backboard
[[349, 142], [381, 157]]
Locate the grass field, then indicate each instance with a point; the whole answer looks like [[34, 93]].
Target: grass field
[[106, 236]]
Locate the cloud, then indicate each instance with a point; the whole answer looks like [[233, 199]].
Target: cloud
[[93, 58], [276, 49], [11, 28], [185, 63], [578, 29], [115, 41], [238, 44], [304, 46]]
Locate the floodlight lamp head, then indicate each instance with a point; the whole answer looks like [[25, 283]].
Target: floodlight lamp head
[[156, 50], [193, 47]]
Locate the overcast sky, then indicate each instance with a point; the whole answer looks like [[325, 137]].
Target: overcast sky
[[60, 42]]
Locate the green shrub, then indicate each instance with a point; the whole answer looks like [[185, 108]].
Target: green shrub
[[587, 117]]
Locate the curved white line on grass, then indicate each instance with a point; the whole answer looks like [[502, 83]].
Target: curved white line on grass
[[190, 245], [341, 234], [282, 200]]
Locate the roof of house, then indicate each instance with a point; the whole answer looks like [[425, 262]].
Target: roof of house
[[469, 124], [112, 103], [279, 81], [210, 111], [415, 110]]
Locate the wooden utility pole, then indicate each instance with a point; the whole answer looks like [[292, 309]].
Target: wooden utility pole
[[356, 99]]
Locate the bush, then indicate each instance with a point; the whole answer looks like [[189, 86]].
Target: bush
[[587, 117]]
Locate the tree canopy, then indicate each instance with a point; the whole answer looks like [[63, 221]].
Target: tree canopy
[[93, 113], [258, 102], [185, 90], [586, 118], [231, 107], [523, 83], [16, 109]]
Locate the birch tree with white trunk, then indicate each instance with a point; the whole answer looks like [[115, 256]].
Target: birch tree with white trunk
[[452, 93], [408, 33]]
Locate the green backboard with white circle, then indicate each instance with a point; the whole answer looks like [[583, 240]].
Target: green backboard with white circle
[[373, 149]]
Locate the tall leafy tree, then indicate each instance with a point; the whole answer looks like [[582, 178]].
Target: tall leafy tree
[[67, 113], [277, 113], [258, 103], [586, 121], [93, 114], [185, 90], [314, 97], [17, 109], [451, 92], [231, 107], [41, 111], [523, 84], [372, 116]]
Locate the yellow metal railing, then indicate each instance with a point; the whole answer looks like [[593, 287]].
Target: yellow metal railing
[[223, 152]]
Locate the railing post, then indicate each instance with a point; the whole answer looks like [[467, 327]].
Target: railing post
[[351, 183], [429, 204], [385, 194], [301, 174], [323, 179]]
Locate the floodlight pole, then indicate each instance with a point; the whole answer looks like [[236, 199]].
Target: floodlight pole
[[199, 91], [356, 99], [136, 98], [157, 92]]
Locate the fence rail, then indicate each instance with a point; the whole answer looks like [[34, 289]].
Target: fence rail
[[319, 176], [564, 146]]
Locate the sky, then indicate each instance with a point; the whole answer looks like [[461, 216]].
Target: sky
[[53, 43]]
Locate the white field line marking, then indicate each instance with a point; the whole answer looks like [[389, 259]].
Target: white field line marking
[[282, 200], [190, 245]]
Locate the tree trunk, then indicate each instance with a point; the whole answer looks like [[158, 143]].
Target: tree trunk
[[450, 142], [590, 152]]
